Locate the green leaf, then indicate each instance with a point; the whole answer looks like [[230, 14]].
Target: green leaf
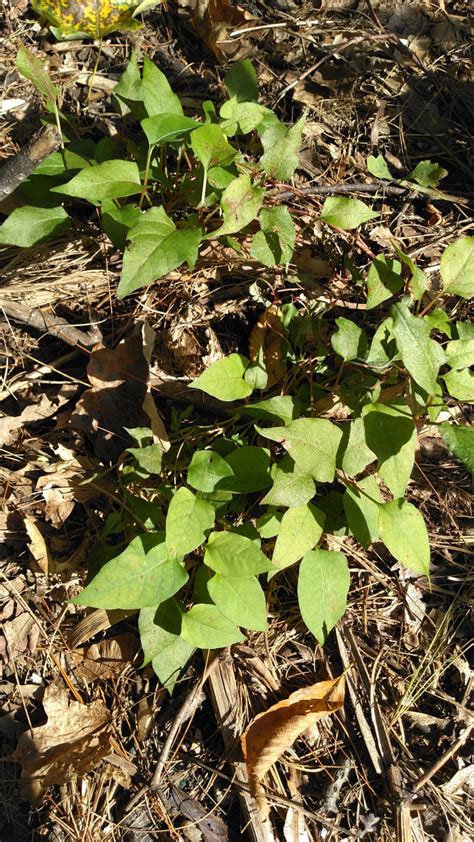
[[438, 319], [110, 180], [224, 379], [256, 374], [29, 225], [240, 203], [268, 525], [188, 521], [280, 148], [147, 94], [362, 512], [211, 146], [460, 384], [356, 452], [206, 628], [157, 247], [274, 244], [251, 467], [383, 280], [291, 485], [62, 162], [421, 355], [378, 167], [142, 436], [280, 408], [221, 177], [117, 222], [32, 68], [460, 353], [144, 6], [350, 341], [403, 531], [148, 458], [419, 280], [383, 349], [391, 434], [312, 443], [241, 81], [240, 599], [235, 555], [300, 530], [160, 629], [464, 330], [241, 117], [346, 213], [460, 441], [207, 469], [141, 576], [427, 174], [323, 584], [167, 127], [457, 268]]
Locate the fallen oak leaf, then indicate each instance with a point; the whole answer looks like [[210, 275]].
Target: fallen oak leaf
[[275, 730], [73, 741]]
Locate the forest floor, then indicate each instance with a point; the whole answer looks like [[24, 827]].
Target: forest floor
[[394, 764]]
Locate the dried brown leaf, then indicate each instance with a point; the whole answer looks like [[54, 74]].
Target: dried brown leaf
[[119, 397], [276, 729], [73, 741], [37, 410], [213, 20], [37, 546], [106, 658], [269, 335]]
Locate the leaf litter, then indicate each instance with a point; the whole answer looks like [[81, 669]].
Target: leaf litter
[[377, 611]]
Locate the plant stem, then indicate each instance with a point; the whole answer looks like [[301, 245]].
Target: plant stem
[[145, 177]]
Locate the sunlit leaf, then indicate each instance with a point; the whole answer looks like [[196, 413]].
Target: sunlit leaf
[[345, 213], [404, 533], [323, 584], [88, 18]]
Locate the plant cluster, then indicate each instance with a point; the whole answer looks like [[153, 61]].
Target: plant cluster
[[176, 182], [205, 527], [280, 486]]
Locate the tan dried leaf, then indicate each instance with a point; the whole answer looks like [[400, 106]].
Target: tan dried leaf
[[73, 741], [276, 729], [37, 546], [37, 410], [119, 397], [269, 335], [106, 658]]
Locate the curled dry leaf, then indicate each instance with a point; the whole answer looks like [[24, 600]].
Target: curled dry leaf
[[276, 729], [214, 20], [269, 336], [73, 741], [120, 396], [37, 546]]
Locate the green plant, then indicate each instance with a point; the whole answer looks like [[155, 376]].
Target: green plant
[[279, 486], [170, 182], [208, 528]]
